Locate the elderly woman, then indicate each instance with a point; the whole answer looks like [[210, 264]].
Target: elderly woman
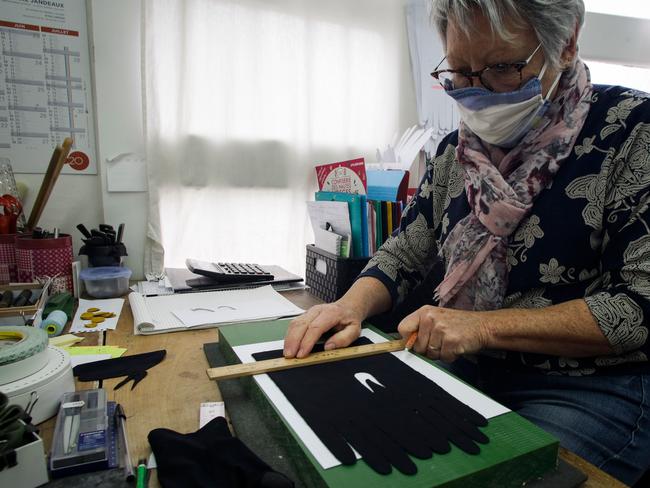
[[533, 223]]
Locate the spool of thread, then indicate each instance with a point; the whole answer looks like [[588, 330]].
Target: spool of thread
[[54, 323], [23, 298], [7, 299]]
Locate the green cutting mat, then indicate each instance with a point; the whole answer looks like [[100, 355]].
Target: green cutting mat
[[518, 451]]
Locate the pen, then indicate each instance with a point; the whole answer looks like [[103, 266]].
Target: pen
[[84, 231], [120, 418], [120, 233], [411, 340], [141, 480]]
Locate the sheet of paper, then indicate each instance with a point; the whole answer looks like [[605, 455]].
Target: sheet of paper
[[87, 358], [327, 241], [112, 351], [113, 305], [126, 173], [209, 411], [334, 213], [65, 340], [225, 307], [475, 399], [152, 315]]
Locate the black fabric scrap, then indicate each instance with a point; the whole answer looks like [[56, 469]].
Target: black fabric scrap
[[133, 367], [210, 457]]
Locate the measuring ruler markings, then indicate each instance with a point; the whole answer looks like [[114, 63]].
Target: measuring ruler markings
[[270, 365], [111, 437]]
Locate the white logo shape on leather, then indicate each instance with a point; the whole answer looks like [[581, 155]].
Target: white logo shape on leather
[[365, 378]]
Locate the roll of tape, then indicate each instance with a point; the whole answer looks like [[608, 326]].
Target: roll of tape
[[22, 352], [20, 342], [49, 383], [54, 323]]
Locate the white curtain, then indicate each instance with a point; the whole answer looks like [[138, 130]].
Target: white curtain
[[243, 98]]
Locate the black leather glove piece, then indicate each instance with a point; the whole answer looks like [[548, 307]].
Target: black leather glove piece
[[134, 367], [210, 457], [405, 413]]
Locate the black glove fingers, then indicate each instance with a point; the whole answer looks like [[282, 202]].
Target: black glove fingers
[[433, 438], [378, 450], [459, 423], [333, 438], [449, 431], [461, 408], [403, 432]]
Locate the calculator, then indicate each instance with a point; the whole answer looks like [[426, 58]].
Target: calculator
[[229, 272]]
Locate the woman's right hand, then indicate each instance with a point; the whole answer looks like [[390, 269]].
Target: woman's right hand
[[305, 330]]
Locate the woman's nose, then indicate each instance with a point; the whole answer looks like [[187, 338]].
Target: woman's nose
[[476, 82]]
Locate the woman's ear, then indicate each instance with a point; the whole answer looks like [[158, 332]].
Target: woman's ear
[[570, 50]]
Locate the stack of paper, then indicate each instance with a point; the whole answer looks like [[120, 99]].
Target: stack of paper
[[331, 224], [168, 313], [401, 154], [358, 217]]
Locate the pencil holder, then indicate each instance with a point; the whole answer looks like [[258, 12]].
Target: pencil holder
[[44, 258], [99, 256], [330, 276], [8, 268]]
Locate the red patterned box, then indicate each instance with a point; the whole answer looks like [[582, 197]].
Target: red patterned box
[[39, 259], [8, 268]]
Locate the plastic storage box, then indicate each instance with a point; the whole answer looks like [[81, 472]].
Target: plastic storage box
[[330, 276], [106, 281], [83, 439], [30, 469]]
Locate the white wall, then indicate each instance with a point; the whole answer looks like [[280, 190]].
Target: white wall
[[115, 47], [616, 39]]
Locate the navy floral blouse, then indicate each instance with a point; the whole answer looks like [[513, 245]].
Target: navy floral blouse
[[588, 235]]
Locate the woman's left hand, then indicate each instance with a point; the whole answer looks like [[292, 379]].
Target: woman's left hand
[[445, 333]]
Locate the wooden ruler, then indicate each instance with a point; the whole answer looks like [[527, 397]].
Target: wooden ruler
[[269, 365]]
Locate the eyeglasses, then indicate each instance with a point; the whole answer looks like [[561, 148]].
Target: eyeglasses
[[500, 77]]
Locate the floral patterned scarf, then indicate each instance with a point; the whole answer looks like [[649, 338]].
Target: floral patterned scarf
[[501, 188]]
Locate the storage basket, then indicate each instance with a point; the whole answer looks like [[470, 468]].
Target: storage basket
[[45, 258], [330, 276], [8, 268]]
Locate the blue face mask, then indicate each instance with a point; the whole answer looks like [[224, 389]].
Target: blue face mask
[[503, 119]]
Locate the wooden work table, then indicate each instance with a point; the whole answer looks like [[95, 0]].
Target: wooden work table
[[171, 393]]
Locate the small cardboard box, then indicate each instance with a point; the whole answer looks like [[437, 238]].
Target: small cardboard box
[[33, 311], [31, 467]]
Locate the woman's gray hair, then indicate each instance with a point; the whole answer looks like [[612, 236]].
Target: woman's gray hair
[[554, 21]]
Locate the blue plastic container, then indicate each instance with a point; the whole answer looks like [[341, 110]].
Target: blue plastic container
[[106, 281]]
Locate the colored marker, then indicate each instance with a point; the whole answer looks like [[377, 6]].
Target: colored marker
[[141, 480], [411, 340]]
